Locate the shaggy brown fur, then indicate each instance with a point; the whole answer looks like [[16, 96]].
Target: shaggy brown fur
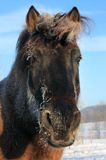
[[38, 154], [38, 99], [59, 25]]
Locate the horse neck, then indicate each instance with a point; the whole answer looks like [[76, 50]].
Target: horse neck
[[42, 153]]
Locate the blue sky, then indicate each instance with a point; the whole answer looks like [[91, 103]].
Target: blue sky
[[93, 45]]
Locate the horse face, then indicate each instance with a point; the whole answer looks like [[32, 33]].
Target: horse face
[[53, 75], [54, 82]]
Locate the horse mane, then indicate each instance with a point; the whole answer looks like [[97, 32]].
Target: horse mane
[[23, 38]]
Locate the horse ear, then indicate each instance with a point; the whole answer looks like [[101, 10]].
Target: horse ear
[[32, 19], [74, 15]]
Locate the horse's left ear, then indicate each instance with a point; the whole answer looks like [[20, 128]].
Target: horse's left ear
[[74, 15], [32, 19]]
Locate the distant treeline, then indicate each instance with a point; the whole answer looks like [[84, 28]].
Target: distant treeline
[[94, 114]]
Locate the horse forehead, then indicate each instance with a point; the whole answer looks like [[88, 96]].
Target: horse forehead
[[51, 54], [56, 56]]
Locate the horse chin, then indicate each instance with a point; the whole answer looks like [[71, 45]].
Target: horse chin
[[60, 143], [56, 139]]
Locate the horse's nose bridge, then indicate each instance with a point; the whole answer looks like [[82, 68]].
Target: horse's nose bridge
[[60, 81], [63, 87]]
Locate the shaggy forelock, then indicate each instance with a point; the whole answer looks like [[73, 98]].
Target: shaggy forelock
[[58, 25], [54, 28]]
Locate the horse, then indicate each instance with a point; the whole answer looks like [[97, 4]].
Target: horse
[[39, 116]]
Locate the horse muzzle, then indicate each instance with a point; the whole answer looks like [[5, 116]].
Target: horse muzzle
[[61, 127]]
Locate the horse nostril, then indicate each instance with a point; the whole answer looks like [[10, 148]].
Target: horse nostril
[[76, 113], [72, 141], [48, 118]]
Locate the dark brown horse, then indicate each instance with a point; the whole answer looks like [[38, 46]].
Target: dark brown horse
[[38, 99]]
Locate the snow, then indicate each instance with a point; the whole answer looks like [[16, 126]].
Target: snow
[[87, 149]]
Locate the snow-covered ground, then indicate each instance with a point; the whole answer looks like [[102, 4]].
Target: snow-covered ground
[[86, 150]]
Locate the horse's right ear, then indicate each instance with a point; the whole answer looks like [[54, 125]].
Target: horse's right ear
[[74, 15], [32, 19]]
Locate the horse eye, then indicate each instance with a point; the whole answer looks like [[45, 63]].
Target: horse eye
[[31, 59], [78, 59]]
